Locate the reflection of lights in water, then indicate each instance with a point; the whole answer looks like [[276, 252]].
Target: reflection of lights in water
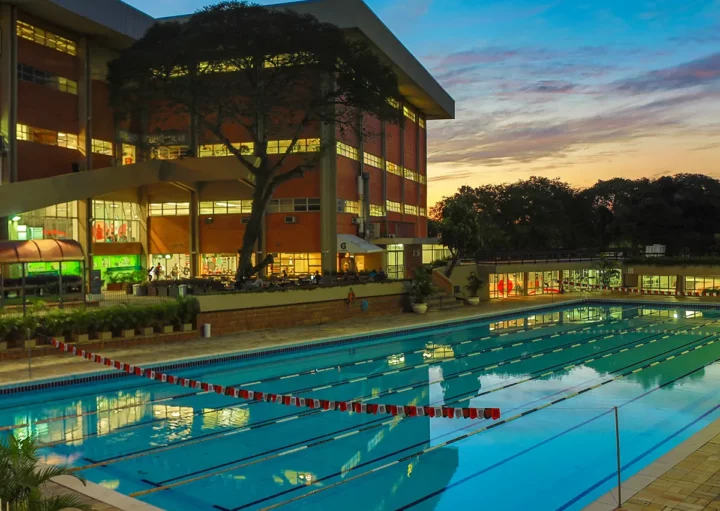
[[121, 410], [394, 360], [226, 417], [438, 352], [675, 315], [297, 477], [113, 484]]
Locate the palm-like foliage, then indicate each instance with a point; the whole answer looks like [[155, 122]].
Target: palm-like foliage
[[21, 476]]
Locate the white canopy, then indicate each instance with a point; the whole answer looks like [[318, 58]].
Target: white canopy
[[355, 245]]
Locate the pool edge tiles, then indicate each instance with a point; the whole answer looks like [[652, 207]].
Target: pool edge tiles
[[301, 346], [656, 470]]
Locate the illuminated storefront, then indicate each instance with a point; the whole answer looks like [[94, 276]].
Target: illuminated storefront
[[172, 266], [116, 265], [54, 222], [214, 265], [296, 264], [659, 283], [504, 285], [115, 222], [699, 284], [543, 282]]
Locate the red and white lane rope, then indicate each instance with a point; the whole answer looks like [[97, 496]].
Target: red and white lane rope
[[286, 399], [635, 290]]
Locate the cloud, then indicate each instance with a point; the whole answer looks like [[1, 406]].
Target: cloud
[[550, 87], [704, 71]]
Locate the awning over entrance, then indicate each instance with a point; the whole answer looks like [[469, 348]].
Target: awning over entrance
[[40, 251], [355, 245]]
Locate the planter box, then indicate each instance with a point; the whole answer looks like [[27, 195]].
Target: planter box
[[3, 345], [139, 290], [80, 337], [104, 336], [116, 286], [173, 291], [168, 329], [162, 291], [127, 334], [29, 343], [187, 327], [152, 291], [147, 332]]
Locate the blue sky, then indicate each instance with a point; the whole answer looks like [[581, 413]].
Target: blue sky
[[577, 89]]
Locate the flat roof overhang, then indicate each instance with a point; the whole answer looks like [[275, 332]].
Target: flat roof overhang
[[24, 196]]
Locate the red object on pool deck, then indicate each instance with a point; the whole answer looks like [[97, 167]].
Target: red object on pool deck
[[287, 400]]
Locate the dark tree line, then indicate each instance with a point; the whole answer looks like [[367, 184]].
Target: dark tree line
[[540, 215]]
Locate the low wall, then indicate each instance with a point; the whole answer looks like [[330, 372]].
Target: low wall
[[233, 313]]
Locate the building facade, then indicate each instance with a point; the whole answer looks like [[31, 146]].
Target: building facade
[[70, 170]]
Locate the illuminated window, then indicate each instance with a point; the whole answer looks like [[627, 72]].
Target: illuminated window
[[409, 113], [296, 264], [348, 206], [307, 145], [115, 222], [377, 210], [128, 154], [347, 151], [208, 150], [422, 212], [393, 206], [372, 160], [172, 152], [293, 205], [226, 207], [393, 103], [23, 132], [409, 174], [59, 221], [422, 179], [421, 122], [278, 146], [410, 209], [393, 168], [102, 147], [46, 78], [170, 209], [40, 36], [67, 140]]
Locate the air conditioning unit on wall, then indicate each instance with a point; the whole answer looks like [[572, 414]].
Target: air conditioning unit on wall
[[416, 253], [290, 219], [356, 220]]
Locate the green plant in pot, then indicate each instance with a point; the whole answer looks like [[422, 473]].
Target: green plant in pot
[[80, 323], [144, 320], [189, 308], [166, 315], [55, 325], [422, 289], [123, 321], [7, 327], [101, 324], [473, 286]]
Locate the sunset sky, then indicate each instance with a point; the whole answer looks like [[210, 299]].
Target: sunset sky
[[577, 89]]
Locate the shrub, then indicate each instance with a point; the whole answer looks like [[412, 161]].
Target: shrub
[[122, 318], [188, 310], [80, 321], [474, 283], [101, 320], [422, 287], [166, 313], [55, 324]]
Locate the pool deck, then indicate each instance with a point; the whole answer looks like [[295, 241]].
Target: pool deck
[[685, 479]]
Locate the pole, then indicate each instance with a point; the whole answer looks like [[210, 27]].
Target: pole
[[24, 301], [60, 285], [617, 445], [29, 365]]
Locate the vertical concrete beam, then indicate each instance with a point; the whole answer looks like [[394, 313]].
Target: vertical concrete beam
[[194, 233], [85, 208], [383, 155], [8, 102], [328, 191]]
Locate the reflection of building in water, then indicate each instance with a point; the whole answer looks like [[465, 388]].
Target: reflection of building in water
[[396, 360], [66, 430], [225, 417], [671, 313], [118, 411], [438, 352]]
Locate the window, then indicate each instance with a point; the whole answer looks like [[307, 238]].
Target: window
[[410, 209], [377, 210], [219, 264], [172, 152], [46, 78], [393, 168], [59, 221], [67, 140], [115, 222], [128, 154], [102, 147], [304, 145], [422, 179], [432, 253], [421, 122], [396, 262], [409, 174], [659, 282], [348, 206], [372, 160], [503, 285], [293, 205], [702, 283], [296, 264], [422, 212], [543, 282], [278, 146], [393, 103], [226, 207], [23, 132], [40, 36], [347, 151], [409, 113], [170, 209], [208, 150], [47, 137], [393, 206]]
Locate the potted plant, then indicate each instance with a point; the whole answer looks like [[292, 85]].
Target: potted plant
[[55, 325], [123, 321], [27, 331], [80, 325], [422, 288], [189, 308], [5, 331], [474, 283], [166, 314], [114, 281], [101, 323], [143, 320]]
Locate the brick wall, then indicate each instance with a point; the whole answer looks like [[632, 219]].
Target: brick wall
[[234, 321]]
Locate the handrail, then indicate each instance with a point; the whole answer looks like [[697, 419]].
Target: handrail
[[442, 282]]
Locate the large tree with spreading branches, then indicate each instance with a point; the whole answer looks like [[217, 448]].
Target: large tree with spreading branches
[[274, 73]]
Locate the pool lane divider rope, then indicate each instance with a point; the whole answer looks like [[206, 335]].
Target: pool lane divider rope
[[481, 430], [341, 434], [445, 412]]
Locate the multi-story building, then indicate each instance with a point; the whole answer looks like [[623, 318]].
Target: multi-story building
[[69, 170]]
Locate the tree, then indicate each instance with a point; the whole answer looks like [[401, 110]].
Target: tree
[[21, 478], [269, 74]]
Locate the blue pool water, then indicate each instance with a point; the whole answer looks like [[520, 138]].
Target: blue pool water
[[556, 375]]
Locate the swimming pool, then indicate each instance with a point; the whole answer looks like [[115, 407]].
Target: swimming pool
[[556, 374]]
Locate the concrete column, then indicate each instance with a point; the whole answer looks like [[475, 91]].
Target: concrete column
[[526, 284], [383, 155], [417, 171], [85, 145], [194, 233], [402, 164], [680, 283], [8, 103], [328, 196]]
